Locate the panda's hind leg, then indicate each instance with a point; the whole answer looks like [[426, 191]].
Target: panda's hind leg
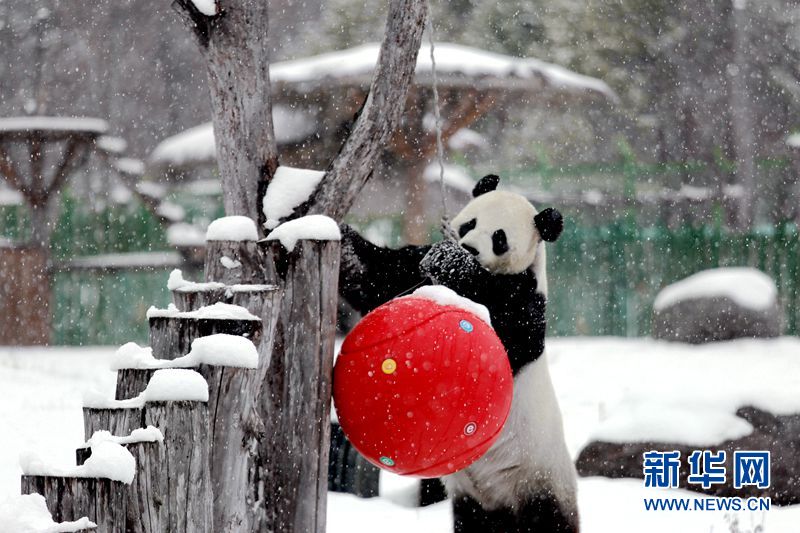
[[544, 513], [539, 514], [470, 517]]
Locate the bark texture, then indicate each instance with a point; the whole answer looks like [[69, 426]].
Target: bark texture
[[70, 498], [289, 489], [236, 49]]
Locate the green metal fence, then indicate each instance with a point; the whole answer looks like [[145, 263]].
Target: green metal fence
[[603, 280]]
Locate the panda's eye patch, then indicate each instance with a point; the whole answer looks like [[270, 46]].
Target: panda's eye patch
[[499, 242], [466, 227]]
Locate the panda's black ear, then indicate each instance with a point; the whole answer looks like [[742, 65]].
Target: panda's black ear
[[550, 223], [486, 184]]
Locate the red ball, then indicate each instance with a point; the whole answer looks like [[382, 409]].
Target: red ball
[[422, 389]]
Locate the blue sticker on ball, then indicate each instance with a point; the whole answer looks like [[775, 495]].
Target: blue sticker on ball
[[466, 325]]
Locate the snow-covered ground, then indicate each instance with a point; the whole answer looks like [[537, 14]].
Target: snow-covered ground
[[606, 386]]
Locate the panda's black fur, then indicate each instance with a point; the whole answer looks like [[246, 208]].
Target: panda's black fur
[[526, 481]]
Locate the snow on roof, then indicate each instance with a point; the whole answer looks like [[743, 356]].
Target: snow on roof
[[793, 140], [289, 188], [9, 196], [445, 296], [129, 165], [747, 287], [455, 177], [312, 227], [111, 144], [451, 59], [232, 228], [185, 234], [466, 138], [217, 311], [196, 145], [53, 124], [28, 513], [125, 260]]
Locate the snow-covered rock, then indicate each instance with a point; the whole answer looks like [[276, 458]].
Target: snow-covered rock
[[718, 304]]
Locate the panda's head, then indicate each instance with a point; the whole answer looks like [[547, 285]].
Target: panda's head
[[502, 229]]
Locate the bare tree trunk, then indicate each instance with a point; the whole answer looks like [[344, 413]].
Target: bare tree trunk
[[288, 485], [236, 49], [742, 115]]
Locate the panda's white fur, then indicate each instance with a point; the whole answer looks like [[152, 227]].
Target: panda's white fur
[[514, 215], [531, 455]]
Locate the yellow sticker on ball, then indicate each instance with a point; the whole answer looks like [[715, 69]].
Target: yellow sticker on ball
[[389, 366]]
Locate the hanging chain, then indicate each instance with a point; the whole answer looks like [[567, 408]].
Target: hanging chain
[[447, 231]]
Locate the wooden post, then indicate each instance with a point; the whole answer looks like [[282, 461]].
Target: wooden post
[[70, 498], [180, 477], [24, 296], [246, 253], [171, 337], [289, 490], [233, 421], [131, 382], [117, 421]]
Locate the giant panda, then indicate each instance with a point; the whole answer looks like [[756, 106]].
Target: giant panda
[[526, 482]]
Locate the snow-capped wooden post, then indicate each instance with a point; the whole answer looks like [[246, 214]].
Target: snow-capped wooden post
[[288, 486], [294, 401]]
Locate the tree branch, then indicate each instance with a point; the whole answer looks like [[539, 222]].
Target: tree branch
[[380, 116]]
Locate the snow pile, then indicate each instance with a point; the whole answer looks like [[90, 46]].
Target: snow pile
[[183, 234], [747, 287], [217, 311], [109, 460], [219, 349], [289, 188], [644, 390], [699, 426], [312, 227], [206, 7], [148, 434], [445, 296], [233, 228], [177, 283], [229, 263], [28, 514], [171, 211], [176, 384], [166, 385]]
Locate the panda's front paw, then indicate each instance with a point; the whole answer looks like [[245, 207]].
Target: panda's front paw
[[445, 261]]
